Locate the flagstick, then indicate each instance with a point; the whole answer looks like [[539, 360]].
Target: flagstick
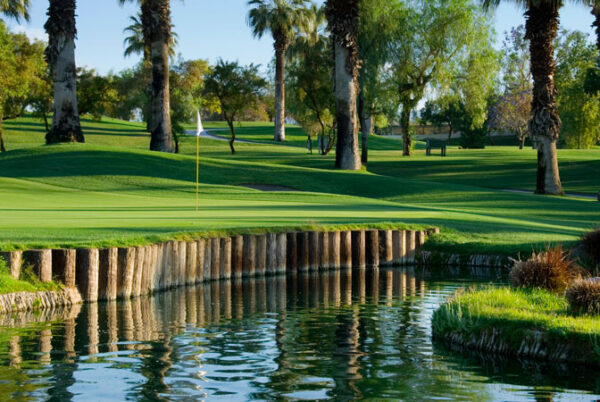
[[197, 166]]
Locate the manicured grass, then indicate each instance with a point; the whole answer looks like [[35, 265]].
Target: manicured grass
[[513, 315], [28, 283], [112, 191]]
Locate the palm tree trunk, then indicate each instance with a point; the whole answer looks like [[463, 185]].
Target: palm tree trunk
[[541, 30], [156, 16], [60, 55], [279, 92], [405, 127], [366, 120], [343, 16], [596, 24]]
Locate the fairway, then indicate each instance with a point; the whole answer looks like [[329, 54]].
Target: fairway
[[111, 191]]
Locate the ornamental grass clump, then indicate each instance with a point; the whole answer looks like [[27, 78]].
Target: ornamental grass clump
[[590, 243], [584, 296], [550, 269]]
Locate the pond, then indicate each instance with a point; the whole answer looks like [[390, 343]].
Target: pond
[[342, 336]]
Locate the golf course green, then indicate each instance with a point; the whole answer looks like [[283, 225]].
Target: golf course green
[[113, 191]]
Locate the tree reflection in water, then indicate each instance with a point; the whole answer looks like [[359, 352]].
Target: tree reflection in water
[[342, 335]]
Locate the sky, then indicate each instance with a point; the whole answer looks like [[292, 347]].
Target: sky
[[209, 29]]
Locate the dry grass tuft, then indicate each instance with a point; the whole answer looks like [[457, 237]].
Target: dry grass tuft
[[550, 269], [584, 296], [591, 245]]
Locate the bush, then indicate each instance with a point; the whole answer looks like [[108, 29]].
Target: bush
[[584, 296], [591, 245], [551, 270]]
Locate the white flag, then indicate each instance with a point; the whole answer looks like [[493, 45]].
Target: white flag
[[199, 128]]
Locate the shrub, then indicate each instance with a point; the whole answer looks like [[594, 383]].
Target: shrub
[[584, 296], [551, 269], [591, 245]]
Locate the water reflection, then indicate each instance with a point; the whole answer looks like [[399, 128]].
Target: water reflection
[[342, 335]]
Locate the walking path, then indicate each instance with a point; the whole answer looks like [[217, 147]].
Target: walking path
[[207, 134], [575, 195]]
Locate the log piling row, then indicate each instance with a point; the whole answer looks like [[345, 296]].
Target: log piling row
[[112, 273]]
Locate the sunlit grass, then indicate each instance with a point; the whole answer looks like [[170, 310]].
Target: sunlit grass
[[516, 312], [111, 190], [28, 282]]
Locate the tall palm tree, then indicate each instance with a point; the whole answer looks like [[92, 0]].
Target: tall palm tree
[[280, 17], [541, 28], [60, 55], [343, 20], [596, 24], [135, 42], [156, 32], [16, 9]]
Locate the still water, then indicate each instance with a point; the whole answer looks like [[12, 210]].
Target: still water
[[340, 336]]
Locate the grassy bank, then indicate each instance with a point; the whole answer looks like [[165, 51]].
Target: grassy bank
[[27, 283], [111, 190], [518, 317]]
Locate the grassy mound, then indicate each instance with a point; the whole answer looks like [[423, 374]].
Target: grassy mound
[[519, 322], [29, 283]]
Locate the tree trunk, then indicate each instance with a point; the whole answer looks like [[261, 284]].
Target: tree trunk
[[366, 126], [2, 148], [279, 92], [521, 140], [232, 140], [541, 29], [450, 131], [405, 126], [343, 17], [156, 16], [60, 55], [596, 24], [46, 123]]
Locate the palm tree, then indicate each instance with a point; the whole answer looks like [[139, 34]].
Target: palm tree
[[16, 9], [157, 37], [343, 20], [541, 28], [280, 17], [135, 43], [596, 24], [60, 55]]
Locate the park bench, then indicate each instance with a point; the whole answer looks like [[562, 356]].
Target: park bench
[[436, 144]]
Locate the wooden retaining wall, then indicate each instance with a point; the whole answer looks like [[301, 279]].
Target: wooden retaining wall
[[126, 272]]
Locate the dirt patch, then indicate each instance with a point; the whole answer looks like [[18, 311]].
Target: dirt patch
[[267, 187]]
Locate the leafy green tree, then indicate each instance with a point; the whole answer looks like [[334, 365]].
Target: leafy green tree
[[541, 29], [579, 110], [22, 66], [511, 110], [8, 79], [237, 88], [310, 98], [187, 86], [281, 18], [97, 94], [60, 55], [443, 112], [436, 39], [376, 29], [343, 18]]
